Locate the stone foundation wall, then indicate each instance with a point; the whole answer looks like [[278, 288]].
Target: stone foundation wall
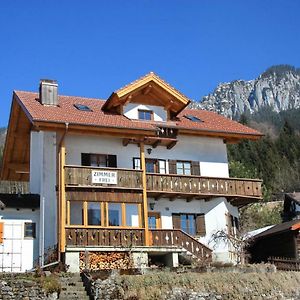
[[16, 286]]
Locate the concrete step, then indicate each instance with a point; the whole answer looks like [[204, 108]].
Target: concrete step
[[71, 289], [72, 294], [71, 284], [74, 298]]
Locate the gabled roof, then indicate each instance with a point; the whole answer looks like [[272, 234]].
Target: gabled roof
[[174, 100], [66, 112]]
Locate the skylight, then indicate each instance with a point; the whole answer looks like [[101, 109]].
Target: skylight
[[82, 107], [193, 118]]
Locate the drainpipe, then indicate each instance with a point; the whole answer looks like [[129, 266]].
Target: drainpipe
[[60, 187]]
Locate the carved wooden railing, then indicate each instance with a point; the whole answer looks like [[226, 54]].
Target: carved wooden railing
[[82, 176], [14, 187], [167, 183], [179, 238], [203, 185], [103, 237]]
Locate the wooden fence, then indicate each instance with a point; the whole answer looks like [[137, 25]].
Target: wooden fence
[[285, 264]]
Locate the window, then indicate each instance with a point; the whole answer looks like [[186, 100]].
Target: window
[[153, 165], [145, 114], [94, 213], [29, 230], [82, 107], [99, 160], [232, 224], [114, 214], [188, 223], [193, 118], [193, 224], [76, 213], [183, 168], [132, 215]]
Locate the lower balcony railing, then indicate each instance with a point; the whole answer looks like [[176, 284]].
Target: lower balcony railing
[[127, 237], [103, 237]]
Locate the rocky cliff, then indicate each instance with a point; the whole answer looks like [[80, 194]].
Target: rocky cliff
[[278, 87]]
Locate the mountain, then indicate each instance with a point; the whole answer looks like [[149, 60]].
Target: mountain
[[2, 136], [278, 88]]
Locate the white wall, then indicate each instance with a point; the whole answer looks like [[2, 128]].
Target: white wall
[[211, 152], [131, 111], [43, 182], [29, 247], [215, 218]]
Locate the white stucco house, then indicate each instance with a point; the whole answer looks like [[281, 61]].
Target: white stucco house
[[138, 171]]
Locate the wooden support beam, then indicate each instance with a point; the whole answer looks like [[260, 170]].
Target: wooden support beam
[[125, 142], [156, 143], [145, 201], [19, 167], [171, 145], [147, 89]]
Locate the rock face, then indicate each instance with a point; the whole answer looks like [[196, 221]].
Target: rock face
[[278, 87]]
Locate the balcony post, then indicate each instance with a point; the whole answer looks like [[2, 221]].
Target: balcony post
[[145, 202]]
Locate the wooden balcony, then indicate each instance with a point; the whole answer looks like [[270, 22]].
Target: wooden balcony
[[239, 191], [130, 237], [103, 237]]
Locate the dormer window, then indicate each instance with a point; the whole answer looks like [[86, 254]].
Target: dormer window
[[146, 115]]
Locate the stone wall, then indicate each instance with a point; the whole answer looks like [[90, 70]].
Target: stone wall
[[21, 286]]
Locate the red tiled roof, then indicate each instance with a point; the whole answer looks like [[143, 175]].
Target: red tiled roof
[[66, 112]]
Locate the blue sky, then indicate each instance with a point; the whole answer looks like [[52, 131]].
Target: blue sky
[[94, 47]]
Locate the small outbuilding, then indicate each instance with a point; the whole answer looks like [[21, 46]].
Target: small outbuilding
[[282, 240]]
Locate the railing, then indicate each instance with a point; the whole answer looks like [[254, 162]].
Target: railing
[[14, 187], [178, 238], [167, 183], [123, 237], [166, 132], [82, 176], [185, 184], [285, 264]]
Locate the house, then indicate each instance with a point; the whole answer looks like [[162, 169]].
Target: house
[[291, 207], [281, 240], [138, 172]]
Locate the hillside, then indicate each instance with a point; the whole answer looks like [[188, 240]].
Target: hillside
[[277, 88]]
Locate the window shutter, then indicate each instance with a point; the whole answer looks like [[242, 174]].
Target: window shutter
[[112, 161], [176, 221], [200, 225], [172, 167], [195, 168], [85, 159], [1, 232], [229, 223]]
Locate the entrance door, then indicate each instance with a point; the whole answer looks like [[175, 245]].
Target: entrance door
[[154, 221]]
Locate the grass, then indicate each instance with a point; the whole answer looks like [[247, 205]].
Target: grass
[[228, 285]]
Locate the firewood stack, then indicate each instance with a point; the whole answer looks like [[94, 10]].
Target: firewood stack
[[94, 261]]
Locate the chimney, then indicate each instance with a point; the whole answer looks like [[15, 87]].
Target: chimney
[[48, 92]]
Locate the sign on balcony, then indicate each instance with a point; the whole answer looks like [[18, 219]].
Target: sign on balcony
[[108, 177]]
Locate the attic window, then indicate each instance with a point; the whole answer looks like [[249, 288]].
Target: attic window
[[145, 114], [193, 118], [82, 107]]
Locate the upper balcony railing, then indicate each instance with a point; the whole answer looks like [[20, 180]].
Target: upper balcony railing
[[162, 185]]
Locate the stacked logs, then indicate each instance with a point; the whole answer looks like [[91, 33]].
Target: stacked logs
[[94, 261]]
